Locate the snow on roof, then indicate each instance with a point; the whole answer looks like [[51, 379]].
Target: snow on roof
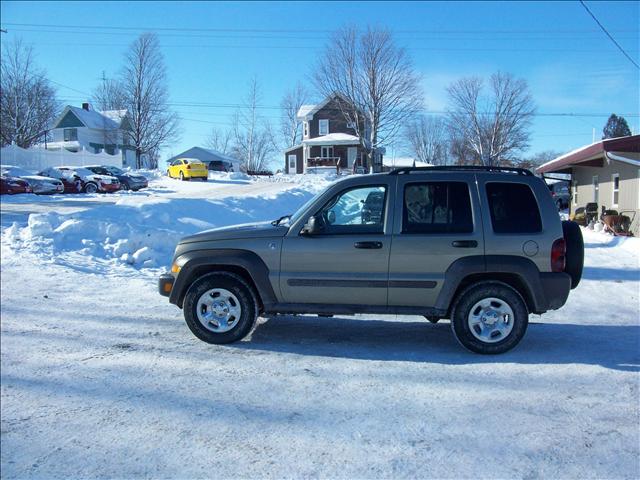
[[399, 162], [115, 115], [334, 139], [625, 144], [304, 110], [92, 118]]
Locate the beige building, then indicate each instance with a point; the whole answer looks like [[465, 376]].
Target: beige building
[[607, 173]]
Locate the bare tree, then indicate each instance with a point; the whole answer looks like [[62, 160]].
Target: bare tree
[[496, 127], [290, 126], [427, 138], [537, 159], [377, 86], [144, 83], [220, 140], [109, 95], [253, 140], [28, 104]]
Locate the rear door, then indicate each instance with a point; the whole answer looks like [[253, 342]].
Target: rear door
[[348, 262], [514, 225], [437, 221]]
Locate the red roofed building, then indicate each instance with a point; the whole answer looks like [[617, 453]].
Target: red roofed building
[[606, 172]]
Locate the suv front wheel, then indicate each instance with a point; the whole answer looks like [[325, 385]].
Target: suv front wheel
[[489, 318], [220, 308]]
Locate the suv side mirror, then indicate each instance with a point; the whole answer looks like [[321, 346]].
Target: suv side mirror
[[312, 227]]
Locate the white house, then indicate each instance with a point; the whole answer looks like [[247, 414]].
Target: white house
[[83, 128]]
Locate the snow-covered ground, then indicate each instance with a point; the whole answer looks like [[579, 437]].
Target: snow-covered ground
[[100, 377]]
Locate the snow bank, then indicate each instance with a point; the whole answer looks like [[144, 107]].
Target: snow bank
[[142, 229]]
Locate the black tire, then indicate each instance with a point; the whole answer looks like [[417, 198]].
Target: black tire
[[466, 300], [182, 176], [242, 291], [125, 186], [90, 187], [574, 258]]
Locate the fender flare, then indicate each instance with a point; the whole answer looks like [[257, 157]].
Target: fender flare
[[192, 264]]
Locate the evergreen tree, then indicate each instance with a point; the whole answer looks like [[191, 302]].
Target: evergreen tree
[[616, 127]]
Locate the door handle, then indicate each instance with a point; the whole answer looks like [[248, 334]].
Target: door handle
[[368, 245], [464, 244]]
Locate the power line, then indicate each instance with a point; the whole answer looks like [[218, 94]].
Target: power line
[[282, 30], [609, 35]]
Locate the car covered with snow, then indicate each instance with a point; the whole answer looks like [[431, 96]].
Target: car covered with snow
[[80, 179], [39, 184], [13, 185], [481, 246], [128, 181]]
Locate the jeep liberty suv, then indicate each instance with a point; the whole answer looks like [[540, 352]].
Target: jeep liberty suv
[[481, 246]]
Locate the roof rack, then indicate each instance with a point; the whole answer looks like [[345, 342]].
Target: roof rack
[[480, 168]]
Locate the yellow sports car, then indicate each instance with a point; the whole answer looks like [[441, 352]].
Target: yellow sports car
[[188, 168]]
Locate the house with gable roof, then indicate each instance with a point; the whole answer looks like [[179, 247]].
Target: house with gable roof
[[78, 128], [328, 140]]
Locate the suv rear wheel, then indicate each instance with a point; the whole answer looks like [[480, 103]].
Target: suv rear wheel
[[489, 318], [220, 308]]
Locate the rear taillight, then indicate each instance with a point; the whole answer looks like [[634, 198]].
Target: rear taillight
[[188, 167], [558, 251]]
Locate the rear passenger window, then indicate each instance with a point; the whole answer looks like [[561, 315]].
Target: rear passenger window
[[437, 207], [513, 208]]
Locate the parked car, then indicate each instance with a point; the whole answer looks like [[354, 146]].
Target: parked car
[[128, 181], [481, 246], [560, 193], [220, 166], [39, 184], [13, 185], [187, 169], [79, 179]]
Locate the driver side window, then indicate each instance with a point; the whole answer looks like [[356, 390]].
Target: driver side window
[[357, 210]]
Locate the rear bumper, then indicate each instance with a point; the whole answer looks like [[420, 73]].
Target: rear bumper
[[555, 288], [165, 284]]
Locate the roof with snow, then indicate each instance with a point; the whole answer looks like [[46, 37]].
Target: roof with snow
[[624, 149], [306, 112], [333, 139], [107, 120], [205, 155]]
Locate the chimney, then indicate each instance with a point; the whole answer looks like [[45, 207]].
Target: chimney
[[86, 106]]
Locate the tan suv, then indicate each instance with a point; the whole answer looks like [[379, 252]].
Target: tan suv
[[481, 246]]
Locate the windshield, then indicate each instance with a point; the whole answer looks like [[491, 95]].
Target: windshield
[[114, 170], [83, 172], [15, 172]]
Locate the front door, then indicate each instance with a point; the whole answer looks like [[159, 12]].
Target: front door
[[352, 152], [347, 262], [437, 222]]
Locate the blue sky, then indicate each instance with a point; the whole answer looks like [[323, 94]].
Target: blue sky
[[571, 66]]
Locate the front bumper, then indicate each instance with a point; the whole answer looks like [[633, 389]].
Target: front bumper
[[165, 284], [109, 187]]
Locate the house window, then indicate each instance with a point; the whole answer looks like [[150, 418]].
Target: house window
[[292, 163], [596, 188], [323, 127], [326, 152], [575, 192], [70, 134], [615, 180], [305, 128]]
